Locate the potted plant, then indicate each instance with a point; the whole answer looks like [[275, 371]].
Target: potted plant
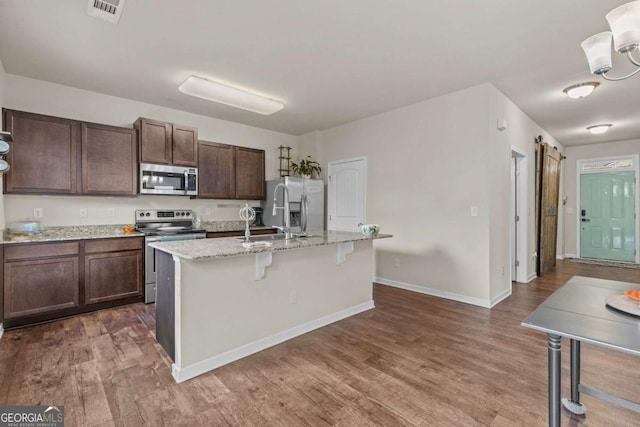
[[306, 167]]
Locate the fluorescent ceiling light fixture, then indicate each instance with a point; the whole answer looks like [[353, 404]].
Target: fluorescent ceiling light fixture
[[227, 95], [581, 90], [598, 129], [624, 22]]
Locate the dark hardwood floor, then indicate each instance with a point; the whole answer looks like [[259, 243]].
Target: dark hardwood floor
[[414, 360]]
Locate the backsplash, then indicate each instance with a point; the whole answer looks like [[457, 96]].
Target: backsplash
[[66, 210]]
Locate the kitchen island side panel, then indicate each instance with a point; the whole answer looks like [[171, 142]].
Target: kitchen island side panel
[[223, 307], [165, 302]]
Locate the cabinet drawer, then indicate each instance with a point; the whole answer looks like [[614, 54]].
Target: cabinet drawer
[[40, 250], [113, 245]]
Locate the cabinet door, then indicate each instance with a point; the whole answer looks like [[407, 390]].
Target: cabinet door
[[114, 275], [155, 141], [109, 160], [250, 183], [44, 155], [40, 286], [185, 146], [216, 171]]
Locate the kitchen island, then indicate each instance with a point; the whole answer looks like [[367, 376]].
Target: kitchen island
[[219, 301]]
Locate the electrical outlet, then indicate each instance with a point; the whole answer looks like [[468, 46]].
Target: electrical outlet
[[293, 297], [111, 212], [502, 270], [207, 211], [474, 211], [396, 262], [83, 212], [37, 212]]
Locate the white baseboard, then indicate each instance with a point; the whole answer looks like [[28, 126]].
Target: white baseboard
[[1, 331], [434, 292], [190, 371], [570, 256], [496, 300], [531, 277], [560, 256]]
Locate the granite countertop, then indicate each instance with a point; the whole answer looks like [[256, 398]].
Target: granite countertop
[[73, 232], [226, 247], [222, 226], [82, 232]]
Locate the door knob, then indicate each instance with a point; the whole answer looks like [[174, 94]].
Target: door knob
[[586, 220]]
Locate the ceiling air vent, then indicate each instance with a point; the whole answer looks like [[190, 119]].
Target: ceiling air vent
[[107, 10]]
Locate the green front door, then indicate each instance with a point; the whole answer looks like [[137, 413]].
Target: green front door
[[607, 215]]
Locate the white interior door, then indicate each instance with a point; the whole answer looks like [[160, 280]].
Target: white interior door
[[346, 194]]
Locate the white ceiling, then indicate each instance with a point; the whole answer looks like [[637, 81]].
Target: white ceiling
[[329, 61]]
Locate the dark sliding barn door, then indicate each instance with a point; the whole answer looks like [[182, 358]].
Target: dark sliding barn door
[[547, 197]]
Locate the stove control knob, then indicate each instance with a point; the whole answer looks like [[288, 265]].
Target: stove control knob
[[141, 213], [148, 214], [188, 213]]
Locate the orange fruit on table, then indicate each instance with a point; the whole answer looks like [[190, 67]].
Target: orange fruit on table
[[634, 294]]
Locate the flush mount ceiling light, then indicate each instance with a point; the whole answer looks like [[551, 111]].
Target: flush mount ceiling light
[[581, 90], [224, 94], [598, 129], [624, 22]]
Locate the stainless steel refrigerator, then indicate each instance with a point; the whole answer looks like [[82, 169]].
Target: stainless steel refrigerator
[[306, 204]]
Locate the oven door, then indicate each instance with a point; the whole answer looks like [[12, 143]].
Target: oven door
[[150, 261]]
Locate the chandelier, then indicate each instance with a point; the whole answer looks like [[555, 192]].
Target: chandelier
[[624, 22]]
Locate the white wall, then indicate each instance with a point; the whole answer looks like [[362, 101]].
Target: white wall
[[582, 152], [428, 164], [520, 133], [62, 101]]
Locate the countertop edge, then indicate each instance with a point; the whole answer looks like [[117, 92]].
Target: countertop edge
[[234, 246]]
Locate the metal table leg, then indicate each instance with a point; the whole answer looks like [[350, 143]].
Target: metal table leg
[[554, 379], [574, 404]]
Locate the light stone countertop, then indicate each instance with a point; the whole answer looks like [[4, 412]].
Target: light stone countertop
[[73, 232], [221, 226], [204, 249], [106, 231]]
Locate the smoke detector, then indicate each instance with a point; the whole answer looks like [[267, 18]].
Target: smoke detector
[[107, 10]]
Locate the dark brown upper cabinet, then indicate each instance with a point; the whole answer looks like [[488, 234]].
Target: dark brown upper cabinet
[[216, 171], [166, 143], [52, 155], [109, 160], [230, 172], [44, 156], [250, 183]]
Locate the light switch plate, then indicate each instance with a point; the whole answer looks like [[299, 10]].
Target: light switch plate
[[37, 212], [474, 211], [83, 213]]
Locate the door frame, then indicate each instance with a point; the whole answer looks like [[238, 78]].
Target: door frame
[[522, 212], [331, 201], [635, 158]]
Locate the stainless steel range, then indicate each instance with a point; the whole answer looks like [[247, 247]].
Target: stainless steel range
[[163, 225]]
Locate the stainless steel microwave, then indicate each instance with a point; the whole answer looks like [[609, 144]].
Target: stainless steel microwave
[[168, 180]]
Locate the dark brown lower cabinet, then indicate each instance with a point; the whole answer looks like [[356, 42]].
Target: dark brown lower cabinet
[[219, 234], [40, 286], [46, 281], [112, 276]]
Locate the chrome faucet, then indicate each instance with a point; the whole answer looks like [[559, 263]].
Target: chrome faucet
[[286, 229]]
